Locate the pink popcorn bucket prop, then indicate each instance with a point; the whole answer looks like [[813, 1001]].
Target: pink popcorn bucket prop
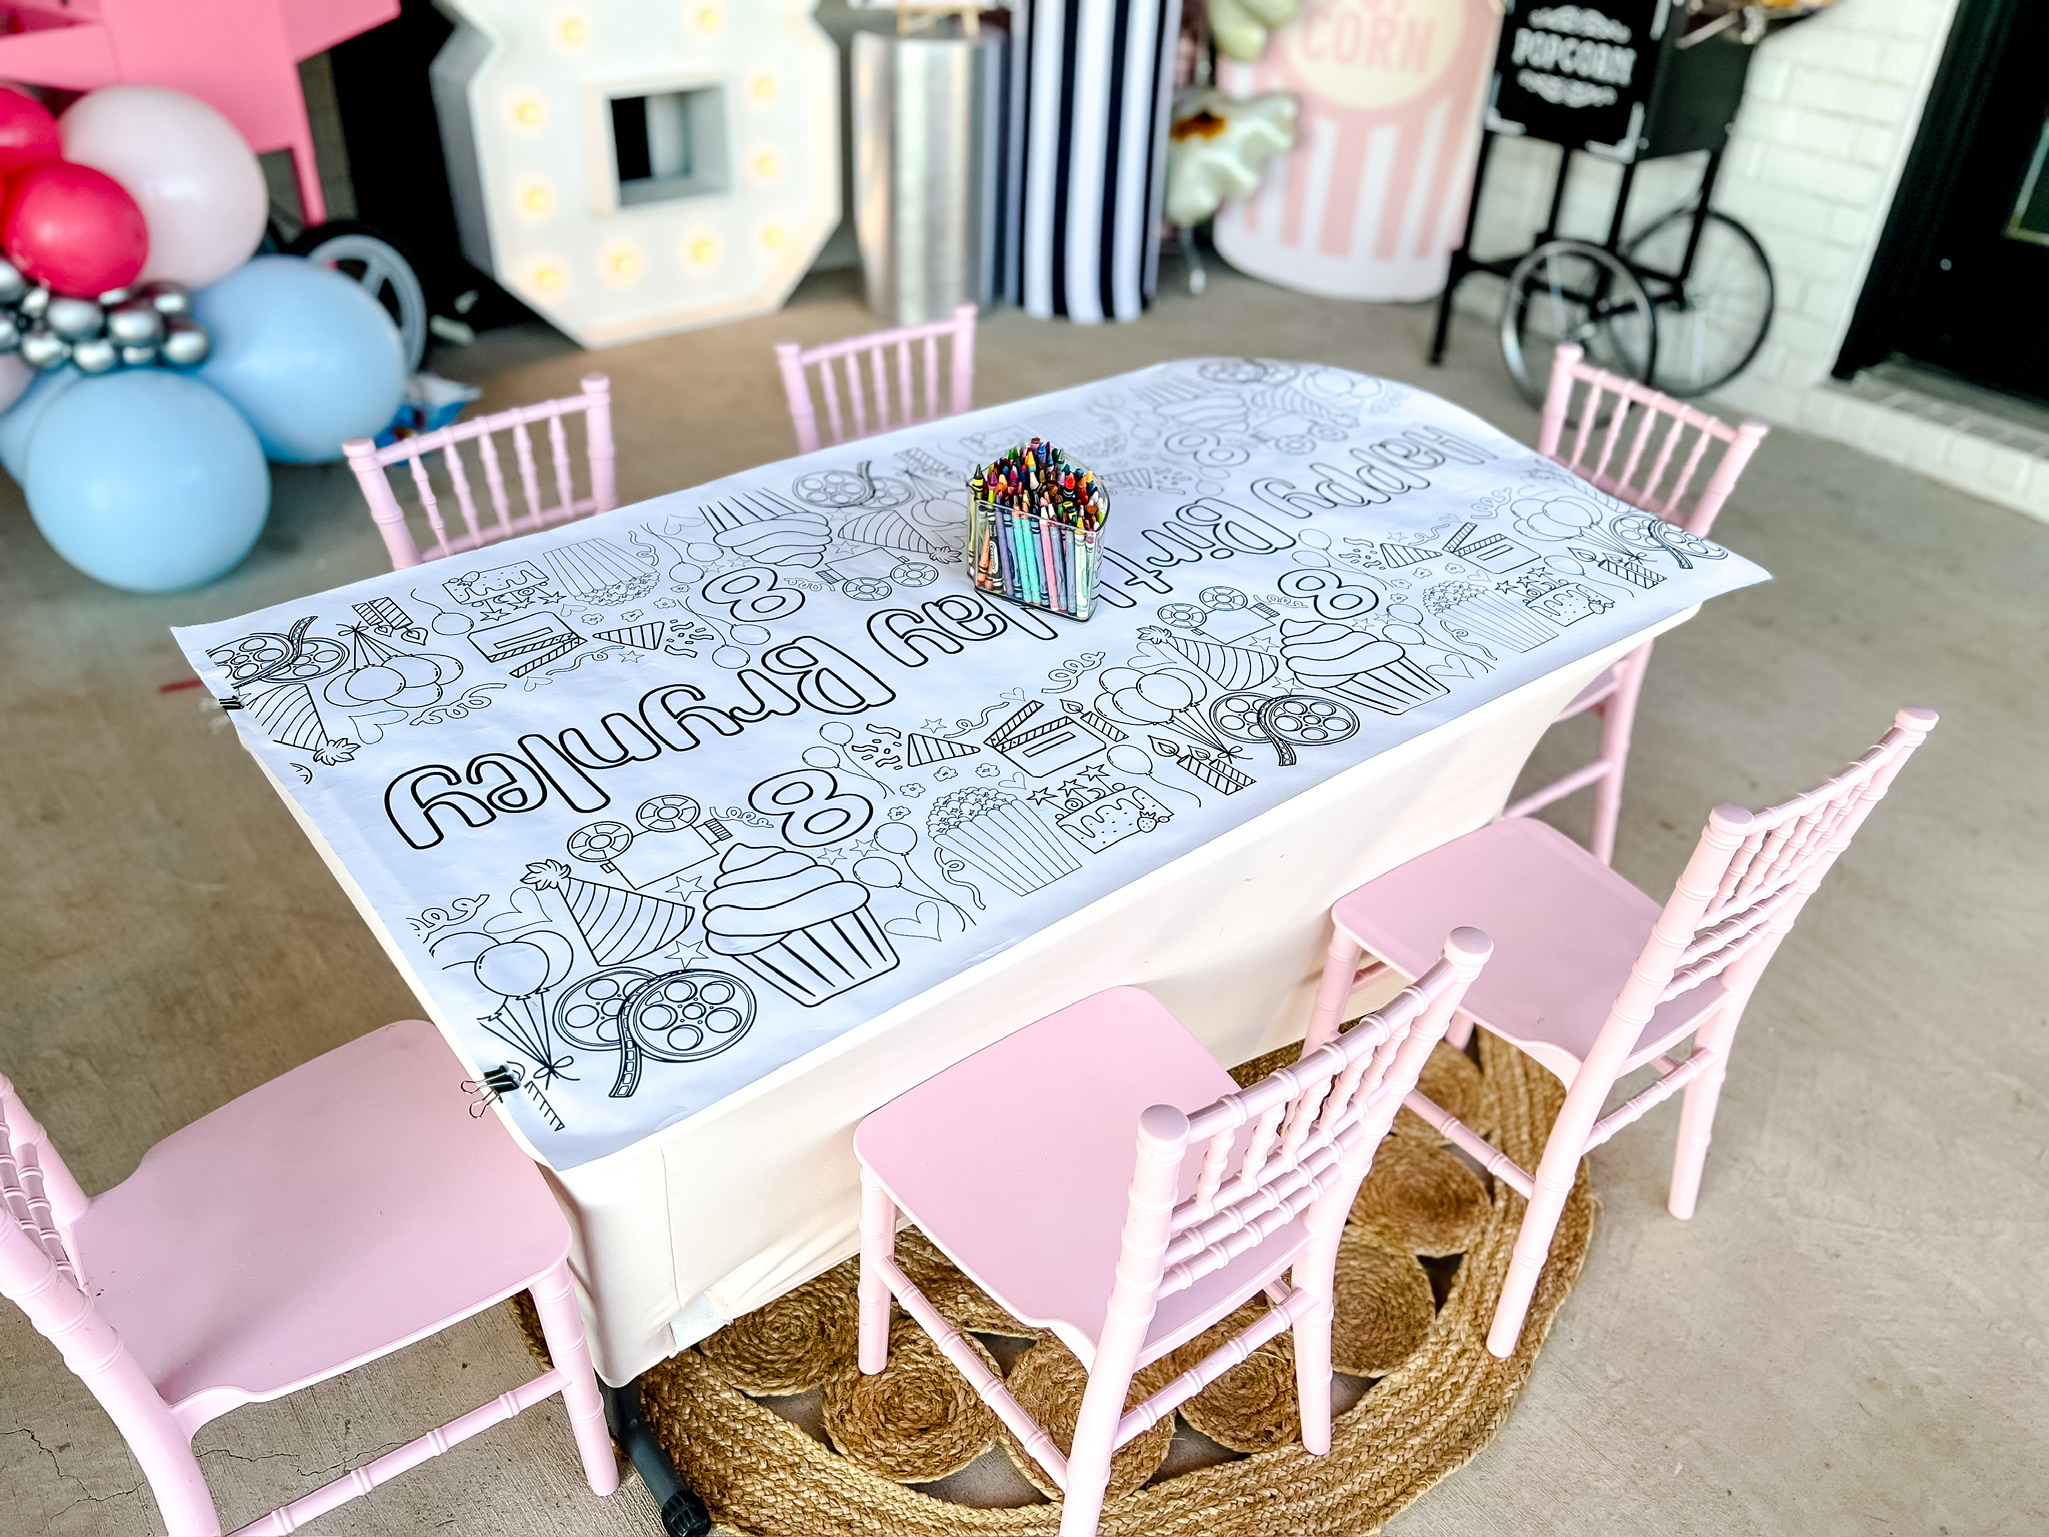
[[1369, 203]]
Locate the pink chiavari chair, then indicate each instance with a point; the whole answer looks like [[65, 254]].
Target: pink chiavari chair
[[535, 495], [901, 389], [1594, 981], [1649, 450], [1017, 1164], [347, 1208]]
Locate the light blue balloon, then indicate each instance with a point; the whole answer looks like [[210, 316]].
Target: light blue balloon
[[308, 356], [147, 480], [20, 420]]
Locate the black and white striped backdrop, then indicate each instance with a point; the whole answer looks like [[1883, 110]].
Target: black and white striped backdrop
[[1090, 86]]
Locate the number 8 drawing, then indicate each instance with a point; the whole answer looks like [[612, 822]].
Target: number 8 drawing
[[812, 807]]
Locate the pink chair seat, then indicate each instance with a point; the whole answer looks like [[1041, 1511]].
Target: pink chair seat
[[1566, 930], [1017, 1163], [234, 1279]]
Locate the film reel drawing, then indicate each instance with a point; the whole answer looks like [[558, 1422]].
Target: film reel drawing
[[1284, 722], [677, 1016]]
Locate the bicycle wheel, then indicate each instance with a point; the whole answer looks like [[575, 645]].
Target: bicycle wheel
[[1570, 291], [363, 256], [1711, 325]]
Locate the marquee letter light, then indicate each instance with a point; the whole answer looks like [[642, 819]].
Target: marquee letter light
[[630, 170]]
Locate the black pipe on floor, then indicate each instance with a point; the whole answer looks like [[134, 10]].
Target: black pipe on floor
[[683, 1513]]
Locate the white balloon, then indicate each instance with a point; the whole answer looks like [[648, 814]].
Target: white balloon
[[196, 180]]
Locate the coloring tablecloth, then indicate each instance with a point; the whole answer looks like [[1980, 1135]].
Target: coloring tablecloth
[[651, 806], [654, 803]]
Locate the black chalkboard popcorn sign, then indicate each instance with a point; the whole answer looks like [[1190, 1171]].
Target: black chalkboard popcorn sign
[[1617, 78]]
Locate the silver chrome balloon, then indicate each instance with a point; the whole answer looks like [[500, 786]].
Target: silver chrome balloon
[[138, 357], [186, 344], [35, 301], [168, 298], [12, 284], [96, 355], [138, 323], [114, 296], [41, 350], [10, 335], [74, 319]]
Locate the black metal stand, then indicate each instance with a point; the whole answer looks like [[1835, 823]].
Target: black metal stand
[[683, 1513], [1464, 263]]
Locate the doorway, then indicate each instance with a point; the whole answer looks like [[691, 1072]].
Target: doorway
[[1960, 281]]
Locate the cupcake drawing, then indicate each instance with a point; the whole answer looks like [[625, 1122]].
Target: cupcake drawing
[[795, 923], [1469, 611], [1336, 659], [1002, 837]]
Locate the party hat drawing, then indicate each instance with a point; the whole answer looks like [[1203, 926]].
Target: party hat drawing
[[291, 719], [889, 530], [1235, 667], [920, 749], [1404, 554], [646, 637], [619, 926]]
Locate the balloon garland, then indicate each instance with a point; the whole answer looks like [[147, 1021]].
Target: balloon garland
[[172, 363]]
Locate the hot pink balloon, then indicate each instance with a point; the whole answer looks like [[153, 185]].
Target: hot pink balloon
[[28, 134], [74, 228]]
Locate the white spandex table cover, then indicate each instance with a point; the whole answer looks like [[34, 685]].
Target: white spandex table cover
[[803, 820]]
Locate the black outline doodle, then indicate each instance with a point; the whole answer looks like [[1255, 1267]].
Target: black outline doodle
[[501, 591], [1284, 721], [1097, 811]]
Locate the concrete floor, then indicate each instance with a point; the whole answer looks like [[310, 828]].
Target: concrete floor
[[1850, 1337]]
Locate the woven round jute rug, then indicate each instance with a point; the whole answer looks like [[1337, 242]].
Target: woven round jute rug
[[771, 1421]]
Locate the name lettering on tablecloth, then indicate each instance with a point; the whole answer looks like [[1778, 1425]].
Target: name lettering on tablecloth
[[842, 766]]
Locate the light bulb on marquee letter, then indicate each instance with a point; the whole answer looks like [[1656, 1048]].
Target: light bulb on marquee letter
[[635, 170]]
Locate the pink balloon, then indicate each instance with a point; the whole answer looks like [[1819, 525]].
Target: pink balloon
[[74, 228], [28, 134], [197, 181]]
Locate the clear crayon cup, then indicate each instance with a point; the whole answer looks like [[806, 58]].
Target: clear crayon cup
[[1032, 557]]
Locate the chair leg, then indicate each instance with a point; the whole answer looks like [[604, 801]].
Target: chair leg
[[1550, 1187], [1696, 1130], [1313, 1370], [1340, 966], [173, 1475], [1088, 1456], [1532, 1249], [562, 1326], [1618, 719], [878, 1242], [1459, 1031]]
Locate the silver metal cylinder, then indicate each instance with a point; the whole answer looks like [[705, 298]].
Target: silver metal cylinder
[[927, 139]]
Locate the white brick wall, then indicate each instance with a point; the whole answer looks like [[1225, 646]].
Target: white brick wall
[[1828, 120]]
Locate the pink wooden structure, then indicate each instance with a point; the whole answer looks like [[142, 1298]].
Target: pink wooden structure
[[348, 1208], [1595, 981], [900, 409], [239, 56], [1014, 1162], [369, 462], [1663, 446]]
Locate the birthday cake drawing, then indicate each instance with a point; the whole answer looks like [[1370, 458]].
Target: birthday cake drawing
[[1096, 811]]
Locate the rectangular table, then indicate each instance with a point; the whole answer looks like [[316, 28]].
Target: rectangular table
[[703, 827]]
